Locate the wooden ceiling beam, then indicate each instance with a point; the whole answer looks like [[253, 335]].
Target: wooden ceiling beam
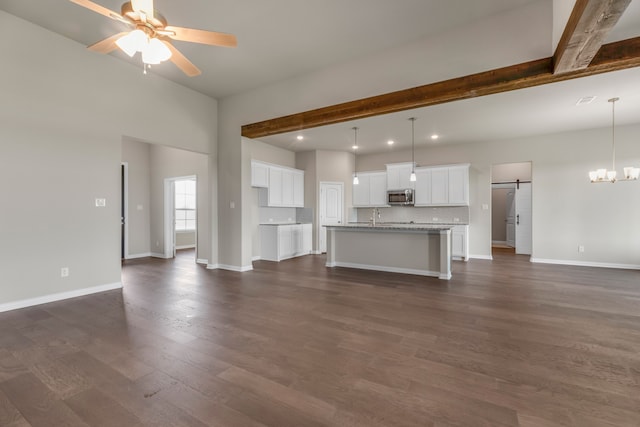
[[611, 57], [586, 30]]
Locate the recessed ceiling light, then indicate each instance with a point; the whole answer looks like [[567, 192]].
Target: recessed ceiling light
[[299, 137], [585, 100], [435, 136], [391, 142], [355, 147]]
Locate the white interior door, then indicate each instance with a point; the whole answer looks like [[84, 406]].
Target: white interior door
[[331, 211], [511, 218], [523, 219]]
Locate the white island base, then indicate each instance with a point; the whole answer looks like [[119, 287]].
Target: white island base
[[421, 250]]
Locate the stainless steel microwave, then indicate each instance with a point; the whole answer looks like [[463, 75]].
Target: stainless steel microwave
[[400, 197]]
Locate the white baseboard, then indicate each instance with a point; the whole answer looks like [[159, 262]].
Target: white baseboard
[[202, 261], [229, 267], [159, 255], [485, 257], [316, 253], [136, 256], [185, 247], [256, 258], [15, 305], [387, 269], [586, 263]]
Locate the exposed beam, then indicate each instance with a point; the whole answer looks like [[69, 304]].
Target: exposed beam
[[611, 57], [588, 25]]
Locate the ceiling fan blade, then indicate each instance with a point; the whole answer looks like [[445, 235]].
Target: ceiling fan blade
[[181, 61], [145, 6], [100, 9], [107, 45], [199, 36]]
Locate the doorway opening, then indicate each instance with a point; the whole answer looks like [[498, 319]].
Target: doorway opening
[[180, 219], [511, 213]]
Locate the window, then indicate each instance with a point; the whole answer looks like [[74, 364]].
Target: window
[[185, 205]]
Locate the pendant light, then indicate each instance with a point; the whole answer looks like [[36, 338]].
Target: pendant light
[[603, 175], [356, 181], [412, 177]]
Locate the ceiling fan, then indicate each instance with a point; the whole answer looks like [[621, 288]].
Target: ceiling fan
[[152, 36]]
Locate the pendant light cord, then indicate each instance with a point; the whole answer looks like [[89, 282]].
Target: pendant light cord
[[355, 149], [613, 132], [413, 143]]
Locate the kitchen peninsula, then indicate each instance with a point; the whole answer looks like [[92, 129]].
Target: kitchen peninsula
[[421, 249]]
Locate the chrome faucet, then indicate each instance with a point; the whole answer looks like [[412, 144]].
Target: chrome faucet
[[376, 212]]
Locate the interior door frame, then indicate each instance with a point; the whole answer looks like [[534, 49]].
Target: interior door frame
[[169, 214], [319, 230], [124, 208], [507, 183]]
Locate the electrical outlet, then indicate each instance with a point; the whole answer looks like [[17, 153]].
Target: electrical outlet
[[435, 218], [101, 203], [64, 272], [456, 219], [580, 248]]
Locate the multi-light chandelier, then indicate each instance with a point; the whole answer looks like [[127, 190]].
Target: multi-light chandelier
[[604, 175]]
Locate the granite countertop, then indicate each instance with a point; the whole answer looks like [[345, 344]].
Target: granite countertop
[[394, 226], [283, 223]]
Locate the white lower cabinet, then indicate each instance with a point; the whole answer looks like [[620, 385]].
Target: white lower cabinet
[[460, 242], [279, 242]]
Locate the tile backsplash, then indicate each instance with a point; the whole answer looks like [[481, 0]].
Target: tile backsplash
[[417, 214]]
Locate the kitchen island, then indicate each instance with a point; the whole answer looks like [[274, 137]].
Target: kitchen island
[[400, 248]]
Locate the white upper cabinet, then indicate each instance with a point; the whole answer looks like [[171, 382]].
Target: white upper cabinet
[[442, 186], [287, 187], [378, 189], [459, 185], [398, 175], [259, 175], [422, 196], [446, 185], [275, 187], [360, 194], [298, 189], [284, 187], [439, 186], [371, 191]]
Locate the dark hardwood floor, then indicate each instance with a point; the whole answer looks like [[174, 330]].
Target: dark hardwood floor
[[505, 343]]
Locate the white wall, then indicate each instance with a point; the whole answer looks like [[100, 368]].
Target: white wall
[[459, 52], [63, 114], [567, 209]]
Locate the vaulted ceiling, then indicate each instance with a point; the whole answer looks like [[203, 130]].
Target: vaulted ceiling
[[284, 39]]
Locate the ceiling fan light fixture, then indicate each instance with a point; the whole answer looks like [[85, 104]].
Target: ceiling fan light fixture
[[155, 52], [133, 42]]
